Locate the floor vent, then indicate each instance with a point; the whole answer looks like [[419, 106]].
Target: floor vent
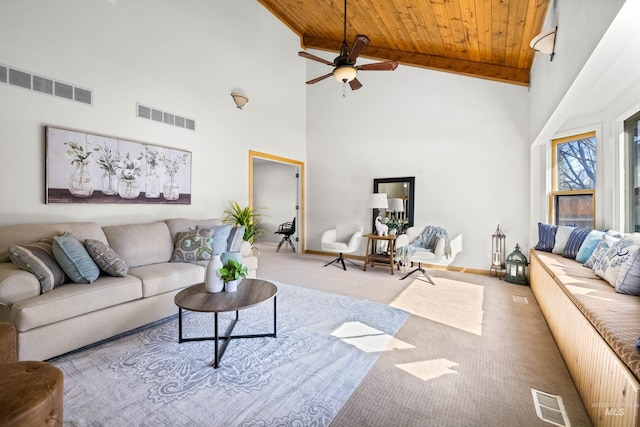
[[520, 299], [550, 408], [150, 113], [45, 85]]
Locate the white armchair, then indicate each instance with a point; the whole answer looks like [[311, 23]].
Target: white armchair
[[344, 239], [429, 252]]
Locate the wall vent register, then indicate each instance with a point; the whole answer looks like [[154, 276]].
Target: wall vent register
[[155, 114], [45, 85]]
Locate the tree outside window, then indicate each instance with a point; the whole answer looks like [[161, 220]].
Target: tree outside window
[[574, 180]]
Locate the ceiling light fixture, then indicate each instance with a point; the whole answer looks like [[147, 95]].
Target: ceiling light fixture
[[345, 73], [240, 100]]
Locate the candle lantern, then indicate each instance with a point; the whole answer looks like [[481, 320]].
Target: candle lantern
[[498, 240], [516, 265]]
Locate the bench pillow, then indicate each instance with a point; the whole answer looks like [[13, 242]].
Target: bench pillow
[[562, 237], [577, 237], [546, 237], [629, 277], [589, 245], [611, 263], [603, 246]]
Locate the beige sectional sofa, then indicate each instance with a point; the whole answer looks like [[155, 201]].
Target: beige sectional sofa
[[596, 330], [74, 315]]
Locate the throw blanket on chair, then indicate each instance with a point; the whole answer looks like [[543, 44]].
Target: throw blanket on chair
[[428, 241]]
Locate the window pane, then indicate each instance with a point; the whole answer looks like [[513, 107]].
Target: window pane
[[574, 209], [576, 164]]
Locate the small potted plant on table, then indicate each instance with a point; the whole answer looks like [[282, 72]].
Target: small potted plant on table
[[232, 273]]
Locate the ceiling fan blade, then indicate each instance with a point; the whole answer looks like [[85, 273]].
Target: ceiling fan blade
[[355, 84], [379, 66], [359, 44], [317, 79], [314, 58]]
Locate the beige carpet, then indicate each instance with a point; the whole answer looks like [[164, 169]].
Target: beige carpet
[[469, 355]]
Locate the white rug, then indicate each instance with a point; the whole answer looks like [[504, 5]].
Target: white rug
[[326, 344]]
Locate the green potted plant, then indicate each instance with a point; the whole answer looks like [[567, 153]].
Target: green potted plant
[[249, 217], [231, 273]]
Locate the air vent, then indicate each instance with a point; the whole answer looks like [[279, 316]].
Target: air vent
[[520, 299], [550, 408], [150, 113], [48, 86]]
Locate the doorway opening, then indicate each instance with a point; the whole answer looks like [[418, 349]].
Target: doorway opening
[[277, 185]]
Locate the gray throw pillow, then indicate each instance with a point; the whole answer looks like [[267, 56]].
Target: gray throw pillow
[[236, 236], [106, 258], [37, 259], [74, 259]]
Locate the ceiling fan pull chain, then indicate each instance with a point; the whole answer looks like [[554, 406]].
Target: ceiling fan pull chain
[[344, 88]]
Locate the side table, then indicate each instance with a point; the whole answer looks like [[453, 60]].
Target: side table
[[381, 259]]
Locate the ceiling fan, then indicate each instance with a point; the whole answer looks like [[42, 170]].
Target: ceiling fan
[[345, 69]]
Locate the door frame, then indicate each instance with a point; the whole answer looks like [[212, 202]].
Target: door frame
[[300, 221]]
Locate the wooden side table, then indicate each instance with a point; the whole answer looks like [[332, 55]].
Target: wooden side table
[[381, 259]]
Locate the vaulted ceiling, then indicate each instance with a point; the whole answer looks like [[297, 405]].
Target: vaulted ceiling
[[481, 38]]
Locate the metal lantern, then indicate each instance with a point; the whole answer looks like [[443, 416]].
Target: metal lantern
[[498, 240], [516, 265]]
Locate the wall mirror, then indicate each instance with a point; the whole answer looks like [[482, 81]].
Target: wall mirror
[[398, 188]]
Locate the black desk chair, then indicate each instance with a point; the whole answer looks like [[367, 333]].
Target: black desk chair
[[287, 230]]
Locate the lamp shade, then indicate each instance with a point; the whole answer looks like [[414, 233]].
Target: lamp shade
[[378, 201], [396, 205], [544, 42], [345, 73], [240, 100]]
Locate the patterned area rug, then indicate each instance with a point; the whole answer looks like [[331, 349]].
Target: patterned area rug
[[326, 344]]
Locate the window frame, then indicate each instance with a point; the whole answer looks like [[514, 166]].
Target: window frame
[[554, 177]]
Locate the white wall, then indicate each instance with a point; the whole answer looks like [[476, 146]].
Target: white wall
[[183, 57], [604, 93], [464, 139]]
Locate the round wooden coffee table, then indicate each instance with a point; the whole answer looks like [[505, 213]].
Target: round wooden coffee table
[[251, 292]]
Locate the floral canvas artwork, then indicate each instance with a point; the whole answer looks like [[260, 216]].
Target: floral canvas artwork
[[88, 168]]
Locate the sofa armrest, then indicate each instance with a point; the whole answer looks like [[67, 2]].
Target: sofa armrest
[[16, 284], [8, 351]]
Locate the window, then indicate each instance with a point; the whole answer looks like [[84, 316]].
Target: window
[[572, 198], [632, 131]]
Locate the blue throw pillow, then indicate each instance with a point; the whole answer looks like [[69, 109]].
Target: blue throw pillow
[[74, 259], [589, 245], [546, 237], [220, 237], [577, 237]]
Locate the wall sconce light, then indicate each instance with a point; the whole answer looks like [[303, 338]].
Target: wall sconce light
[[240, 100], [545, 42]]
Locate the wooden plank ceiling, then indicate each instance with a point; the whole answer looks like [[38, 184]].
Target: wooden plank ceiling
[[480, 38]]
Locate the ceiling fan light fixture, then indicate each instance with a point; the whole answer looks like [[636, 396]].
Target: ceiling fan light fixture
[[345, 73], [240, 100]]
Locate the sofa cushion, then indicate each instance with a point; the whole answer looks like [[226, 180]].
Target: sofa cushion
[[546, 237], [141, 244], [74, 259], [107, 259], [166, 277], [37, 258], [563, 233], [194, 245], [589, 245], [577, 237], [74, 299]]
